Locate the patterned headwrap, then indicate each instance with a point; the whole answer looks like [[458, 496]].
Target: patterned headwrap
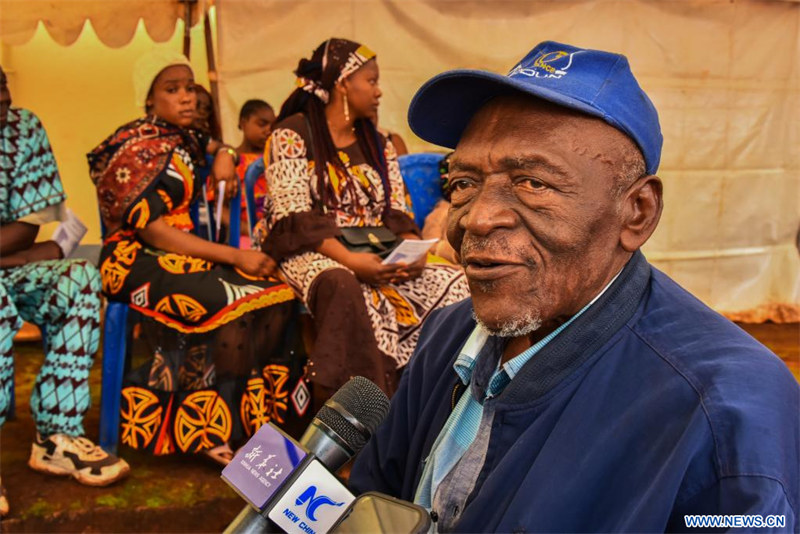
[[333, 61], [126, 164]]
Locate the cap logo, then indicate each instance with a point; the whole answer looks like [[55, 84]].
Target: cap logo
[[546, 65]]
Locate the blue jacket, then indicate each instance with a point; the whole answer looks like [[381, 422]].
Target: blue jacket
[[648, 407]]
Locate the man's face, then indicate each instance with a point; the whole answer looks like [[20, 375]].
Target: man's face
[[533, 214], [5, 98]]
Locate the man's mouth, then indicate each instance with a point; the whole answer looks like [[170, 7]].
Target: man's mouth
[[487, 268]]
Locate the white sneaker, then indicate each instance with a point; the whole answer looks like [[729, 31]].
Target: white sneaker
[[78, 457]]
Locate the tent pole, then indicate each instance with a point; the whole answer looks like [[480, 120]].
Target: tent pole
[[187, 27], [212, 65]]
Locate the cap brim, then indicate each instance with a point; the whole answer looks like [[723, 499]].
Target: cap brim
[[443, 107]]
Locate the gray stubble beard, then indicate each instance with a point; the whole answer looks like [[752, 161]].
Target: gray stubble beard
[[519, 326]]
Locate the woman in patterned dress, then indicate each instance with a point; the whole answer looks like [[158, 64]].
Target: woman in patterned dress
[[213, 316], [328, 168]]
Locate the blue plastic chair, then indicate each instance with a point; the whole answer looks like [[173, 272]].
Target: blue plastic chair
[[421, 175], [116, 330], [254, 170]]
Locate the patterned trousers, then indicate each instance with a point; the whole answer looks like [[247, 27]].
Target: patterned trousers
[[62, 297]]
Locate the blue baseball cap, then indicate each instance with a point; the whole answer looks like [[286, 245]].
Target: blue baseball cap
[[598, 83]]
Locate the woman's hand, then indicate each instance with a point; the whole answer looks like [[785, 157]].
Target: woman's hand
[[410, 271], [254, 263], [369, 269]]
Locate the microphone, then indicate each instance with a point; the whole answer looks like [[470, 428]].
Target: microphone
[[304, 486]]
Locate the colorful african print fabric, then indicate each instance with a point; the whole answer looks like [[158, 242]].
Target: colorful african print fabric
[[259, 189], [63, 298], [188, 294], [128, 164], [60, 296], [296, 218], [29, 180], [182, 400]]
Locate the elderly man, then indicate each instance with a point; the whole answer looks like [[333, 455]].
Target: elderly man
[[579, 389]]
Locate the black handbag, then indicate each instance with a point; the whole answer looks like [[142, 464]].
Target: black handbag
[[375, 239]]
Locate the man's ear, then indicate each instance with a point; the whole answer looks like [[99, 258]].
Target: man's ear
[[642, 204]]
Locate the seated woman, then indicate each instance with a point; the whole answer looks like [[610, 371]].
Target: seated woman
[[211, 310], [328, 168]]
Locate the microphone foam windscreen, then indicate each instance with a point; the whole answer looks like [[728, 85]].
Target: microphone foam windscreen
[[365, 401]]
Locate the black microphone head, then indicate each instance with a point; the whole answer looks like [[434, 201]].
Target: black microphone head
[[365, 402]]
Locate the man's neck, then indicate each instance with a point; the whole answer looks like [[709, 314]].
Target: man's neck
[[518, 345]]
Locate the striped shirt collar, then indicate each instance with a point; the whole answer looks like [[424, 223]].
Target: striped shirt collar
[[464, 365]]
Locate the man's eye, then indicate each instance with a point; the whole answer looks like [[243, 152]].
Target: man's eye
[[459, 184], [532, 183]]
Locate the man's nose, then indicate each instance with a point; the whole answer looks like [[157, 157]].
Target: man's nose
[[489, 210]]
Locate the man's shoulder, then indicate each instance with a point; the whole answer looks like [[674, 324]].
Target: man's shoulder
[[682, 329], [742, 387]]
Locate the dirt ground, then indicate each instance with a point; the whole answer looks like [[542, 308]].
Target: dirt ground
[[163, 494]]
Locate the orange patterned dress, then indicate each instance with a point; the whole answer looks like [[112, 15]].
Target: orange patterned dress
[[225, 359]]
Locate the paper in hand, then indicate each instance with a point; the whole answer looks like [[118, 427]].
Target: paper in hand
[[69, 233], [409, 251]]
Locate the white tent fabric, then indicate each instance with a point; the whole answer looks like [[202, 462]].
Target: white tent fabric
[[114, 21], [723, 75]]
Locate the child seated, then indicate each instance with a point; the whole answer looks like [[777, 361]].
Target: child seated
[[255, 121]]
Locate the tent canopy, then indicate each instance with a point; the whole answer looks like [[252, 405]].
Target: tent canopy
[[114, 21]]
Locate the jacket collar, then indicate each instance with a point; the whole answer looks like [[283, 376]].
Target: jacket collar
[[576, 344]]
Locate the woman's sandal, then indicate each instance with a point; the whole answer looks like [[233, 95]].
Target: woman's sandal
[[221, 454]]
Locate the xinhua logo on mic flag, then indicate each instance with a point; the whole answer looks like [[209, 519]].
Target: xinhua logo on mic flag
[[261, 467], [313, 503]]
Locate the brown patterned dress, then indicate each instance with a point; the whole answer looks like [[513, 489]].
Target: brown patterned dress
[[360, 328]]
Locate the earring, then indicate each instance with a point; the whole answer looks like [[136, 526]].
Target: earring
[[346, 109]]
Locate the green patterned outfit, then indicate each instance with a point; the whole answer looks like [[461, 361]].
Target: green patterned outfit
[[62, 297]]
